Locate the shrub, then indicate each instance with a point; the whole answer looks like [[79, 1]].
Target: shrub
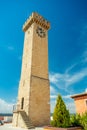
[[61, 116], [84, 120], [75, 120]]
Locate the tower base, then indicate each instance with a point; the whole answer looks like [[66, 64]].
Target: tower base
[[20, 119]]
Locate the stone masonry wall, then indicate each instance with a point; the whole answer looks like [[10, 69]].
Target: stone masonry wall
[[39, 107], [34, 82]]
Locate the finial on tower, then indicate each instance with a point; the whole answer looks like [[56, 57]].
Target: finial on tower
[[35, 17]]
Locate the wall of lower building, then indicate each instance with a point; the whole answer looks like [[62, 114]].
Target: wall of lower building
[[8, 119], [81, 105], [1, 117]]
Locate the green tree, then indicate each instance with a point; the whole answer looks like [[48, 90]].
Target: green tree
[[61, 116]]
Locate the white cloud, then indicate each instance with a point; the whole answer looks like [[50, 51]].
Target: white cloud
[[66, 97], [70, 68], [71, 107], [86, 90], [53, 96], [52, 105], [63, 81], [5, 107], [5, 47], [54, 77], [76, 77], [57, 79], [52, 90], [11, 48]]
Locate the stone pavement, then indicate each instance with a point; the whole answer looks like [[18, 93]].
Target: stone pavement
[[10, 127]]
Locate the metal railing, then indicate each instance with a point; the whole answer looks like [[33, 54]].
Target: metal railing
[[16, 108]]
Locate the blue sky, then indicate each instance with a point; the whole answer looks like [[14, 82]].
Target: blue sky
[[67, 47]]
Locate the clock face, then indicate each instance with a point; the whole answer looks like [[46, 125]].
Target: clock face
[[41, 32]]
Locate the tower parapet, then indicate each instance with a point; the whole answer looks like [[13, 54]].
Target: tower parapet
[[35, 17]]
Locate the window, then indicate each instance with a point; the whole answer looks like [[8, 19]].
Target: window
[[86, 102], [22, 103]]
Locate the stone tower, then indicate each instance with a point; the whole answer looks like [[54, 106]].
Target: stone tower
[[33, 104]]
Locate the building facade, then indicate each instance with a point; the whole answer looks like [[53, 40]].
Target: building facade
[[33, 107], [80, 102], [6, 117]]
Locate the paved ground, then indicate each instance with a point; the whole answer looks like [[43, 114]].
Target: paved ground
[[10, 127]]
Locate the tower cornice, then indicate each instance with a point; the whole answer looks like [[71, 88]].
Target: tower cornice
[[35, 17]]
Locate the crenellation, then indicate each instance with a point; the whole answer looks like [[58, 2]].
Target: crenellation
[[38, 19]]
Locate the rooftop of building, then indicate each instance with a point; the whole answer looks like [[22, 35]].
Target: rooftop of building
[[79, 95]]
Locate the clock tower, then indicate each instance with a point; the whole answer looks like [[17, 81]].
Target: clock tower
[[33, 106]]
